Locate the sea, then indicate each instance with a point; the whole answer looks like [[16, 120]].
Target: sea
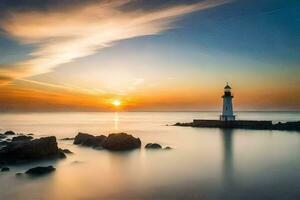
[[204, 163]]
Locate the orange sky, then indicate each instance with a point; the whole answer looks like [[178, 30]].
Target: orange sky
[[18, 98], [150, 56]]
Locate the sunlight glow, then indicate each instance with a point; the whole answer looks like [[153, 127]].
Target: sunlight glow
[[117, 103]]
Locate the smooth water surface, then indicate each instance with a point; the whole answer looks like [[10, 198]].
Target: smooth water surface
[[203, 164]]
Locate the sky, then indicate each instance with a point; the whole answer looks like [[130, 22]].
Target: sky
[[75, 55]]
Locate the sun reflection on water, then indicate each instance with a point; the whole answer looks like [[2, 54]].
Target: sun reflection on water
[[116, 121]]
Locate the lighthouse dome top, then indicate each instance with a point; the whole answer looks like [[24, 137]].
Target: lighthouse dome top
[[227, 86]]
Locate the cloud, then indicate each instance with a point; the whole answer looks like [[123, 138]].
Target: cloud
[[9, 72], [65, 34]]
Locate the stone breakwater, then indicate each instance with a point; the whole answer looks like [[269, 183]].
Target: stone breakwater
[[243, 124]]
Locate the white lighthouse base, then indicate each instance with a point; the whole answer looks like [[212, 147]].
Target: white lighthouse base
[[227, 117]]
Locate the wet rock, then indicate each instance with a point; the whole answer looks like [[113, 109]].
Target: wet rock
[[153, 146], [67, 138], [4, 143], [2, 136], [37, 149], [9, 133], [37, 171], [183, 124], [19, 174], [21, 138], [76, 162], [85, 139], [66, 151], [98, 148], [121, 141], [61, 154], [4, 169]]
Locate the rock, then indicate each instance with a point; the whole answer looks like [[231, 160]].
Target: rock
[[21, 138], [2, 136], [43, 148], [19, 174], [30, 134], [61, 154], [153, 146], [66, 151], [36, 171], [167, 148], [183, 124], [85, 139], [67, 138], [98, 148], [4, 169], [4, 143], [121, 141], [76, 162], [9, 133]]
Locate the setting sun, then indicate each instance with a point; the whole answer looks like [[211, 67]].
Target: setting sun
[[117, 103]]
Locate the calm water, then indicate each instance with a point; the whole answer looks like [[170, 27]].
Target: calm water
[[204, 164]]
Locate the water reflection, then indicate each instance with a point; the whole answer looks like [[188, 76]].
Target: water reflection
[[228, 165], [116, 121]]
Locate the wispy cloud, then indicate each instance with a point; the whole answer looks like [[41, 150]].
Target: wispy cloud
[[62, 35]]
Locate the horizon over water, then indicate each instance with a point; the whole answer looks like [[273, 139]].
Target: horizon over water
[[205, 163]]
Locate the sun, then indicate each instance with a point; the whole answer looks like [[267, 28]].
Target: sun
[[117, 103]]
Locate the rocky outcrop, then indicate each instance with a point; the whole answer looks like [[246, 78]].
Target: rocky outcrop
[[4, 169], [37, 171], [85, 139], [114, 142], [9, 133], [23, 151], [153, 146], [243, 124], [287, 126], [21, 138], [121, 141]]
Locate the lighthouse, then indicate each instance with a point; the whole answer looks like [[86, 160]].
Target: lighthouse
[[227, 114]]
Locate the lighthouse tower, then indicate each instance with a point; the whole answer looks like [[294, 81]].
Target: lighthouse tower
[[227, 114]]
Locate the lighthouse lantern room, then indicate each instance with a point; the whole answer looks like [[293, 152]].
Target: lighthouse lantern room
[[227, 114]]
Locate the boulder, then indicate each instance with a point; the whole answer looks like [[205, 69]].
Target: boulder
[[153, 146], [36, 171], [121, 141], [43, 148], [9, 133], [4, 169], [21, 138], [85, 139]]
